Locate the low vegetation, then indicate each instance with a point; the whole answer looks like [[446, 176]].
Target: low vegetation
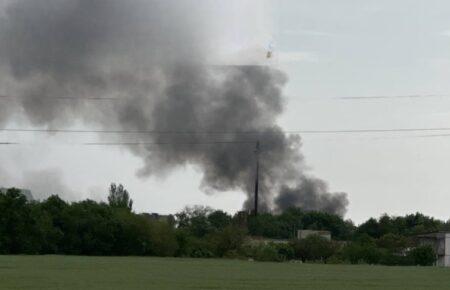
[[111, 273], [54, 226]]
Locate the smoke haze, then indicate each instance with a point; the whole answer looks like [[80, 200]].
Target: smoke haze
[[46, 183], [155, 58]]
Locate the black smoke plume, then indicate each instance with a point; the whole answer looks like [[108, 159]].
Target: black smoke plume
[[155, 60], [312, 194]]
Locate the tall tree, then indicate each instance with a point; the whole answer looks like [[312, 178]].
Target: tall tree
[[119, 197]]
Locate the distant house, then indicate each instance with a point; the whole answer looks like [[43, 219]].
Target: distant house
[[158, 217], [303, 234], [255, 241], [440, 242], [25, 192]]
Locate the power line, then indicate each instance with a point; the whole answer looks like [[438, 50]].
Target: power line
[[392, 97], [244, 142], [368, 98], [166, 143], [3, 97], [166, 132], [346, 98], [399, 130], [433, 135], [140, 143]]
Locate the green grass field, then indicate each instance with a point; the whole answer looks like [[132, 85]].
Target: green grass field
[[58, 272]]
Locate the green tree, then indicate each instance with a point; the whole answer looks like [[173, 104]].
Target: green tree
[[264, 225], [362, 250], [229, 239], [314, 248], [393, 242], [133, 234], [371, 228], [16, 223], [285, 225], [119, 197], [423, 256], [89, 228], [219, 220], [195, 220], [163, 239]]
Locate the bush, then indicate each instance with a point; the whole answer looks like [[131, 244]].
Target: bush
[[286, 252], [198, 248], [352, 253], [357, 253], [393, 242], [336, 259], [91, 228], [230, 238], [423, 256], [390, 259], [133, 234], [163, 239], [233, 254], [201, 252], [314, 248], [267, 253], [283, 226], [264, 225]]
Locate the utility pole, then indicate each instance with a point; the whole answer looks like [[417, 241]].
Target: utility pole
[[257, 151]]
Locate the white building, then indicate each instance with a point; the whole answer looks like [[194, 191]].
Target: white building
[[441, 245], [303, 234]]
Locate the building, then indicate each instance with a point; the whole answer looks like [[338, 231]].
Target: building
[[170, 219], [25, 192], [303, 234], [440, 242], [257, 241]]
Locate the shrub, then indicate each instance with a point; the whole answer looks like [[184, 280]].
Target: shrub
[[263, 252], [198, 248], [233, 254], [393, 242], [286, 252], [314, 248], [423, 256], [264, 225], [267, 253], [230, 238], [336, 259], [357, 253], [390, 259], [201, 252], [164, 242]]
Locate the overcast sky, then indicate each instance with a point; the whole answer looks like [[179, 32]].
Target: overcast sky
[[329, 49]]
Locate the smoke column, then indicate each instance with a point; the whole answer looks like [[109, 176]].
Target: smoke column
[[156, 58]]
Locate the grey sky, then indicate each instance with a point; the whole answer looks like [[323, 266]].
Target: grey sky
[[329, 49], [372, 48]]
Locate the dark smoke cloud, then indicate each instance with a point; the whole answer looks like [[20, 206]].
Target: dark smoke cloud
[[155, 57], [312, 194]]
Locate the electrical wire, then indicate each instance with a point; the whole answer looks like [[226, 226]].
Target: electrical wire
[[392, 97], [180, 132], [166, 143], [141, 143], [3, 97]]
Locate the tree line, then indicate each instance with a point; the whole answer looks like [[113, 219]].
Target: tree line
[[54, 226]]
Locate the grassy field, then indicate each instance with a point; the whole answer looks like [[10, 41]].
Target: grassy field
[[58, 272]]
